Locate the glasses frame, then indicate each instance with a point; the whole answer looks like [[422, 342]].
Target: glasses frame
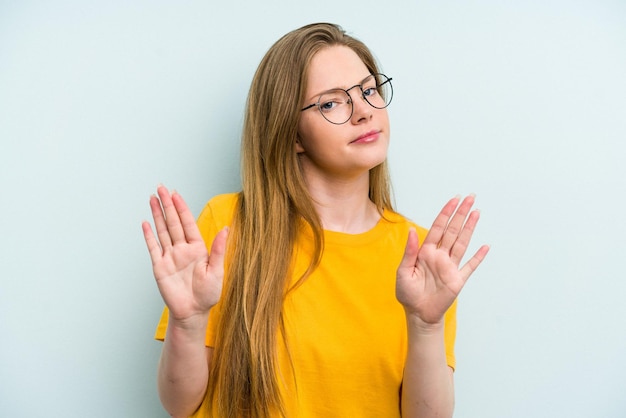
[[351, 101]]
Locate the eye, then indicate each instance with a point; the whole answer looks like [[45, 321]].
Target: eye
[[370, 92], [328, 106], [332, 100]]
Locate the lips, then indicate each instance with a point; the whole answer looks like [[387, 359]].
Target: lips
[[367, 137]]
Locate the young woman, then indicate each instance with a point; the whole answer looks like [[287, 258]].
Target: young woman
[[305, 294]]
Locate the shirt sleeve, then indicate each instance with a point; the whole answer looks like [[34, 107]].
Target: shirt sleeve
[[450, 334]]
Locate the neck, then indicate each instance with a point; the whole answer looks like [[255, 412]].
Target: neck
[[343, 205]]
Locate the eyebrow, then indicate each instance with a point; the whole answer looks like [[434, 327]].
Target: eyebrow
[[316, 96]]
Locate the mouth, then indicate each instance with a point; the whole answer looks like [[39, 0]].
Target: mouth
[[370, 136]]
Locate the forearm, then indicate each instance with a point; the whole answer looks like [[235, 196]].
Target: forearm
[[183, 367], [427, 386]]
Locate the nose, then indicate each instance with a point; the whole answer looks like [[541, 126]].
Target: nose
[[361, 109]]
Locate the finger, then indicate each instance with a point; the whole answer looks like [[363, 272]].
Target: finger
[[218, 251], [159, 222], [462, 243], [455, 225], [153, 246], [473, 263], [457, 252], [187, 220], [410, 251], [172, 218], [441, 222]]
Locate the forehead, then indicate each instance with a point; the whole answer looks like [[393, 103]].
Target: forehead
[[335, 66]]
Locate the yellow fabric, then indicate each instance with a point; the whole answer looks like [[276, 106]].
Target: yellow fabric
[[345, 329]]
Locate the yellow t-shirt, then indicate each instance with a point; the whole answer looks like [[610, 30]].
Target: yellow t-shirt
[[346, 330]]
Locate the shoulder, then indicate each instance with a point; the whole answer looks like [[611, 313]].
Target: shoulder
[[219, 209], [400, 222], [221, 202]]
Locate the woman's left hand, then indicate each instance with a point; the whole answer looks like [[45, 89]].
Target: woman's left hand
[[429, 278]]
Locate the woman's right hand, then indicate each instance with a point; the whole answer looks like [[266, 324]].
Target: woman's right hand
[[189, 280]]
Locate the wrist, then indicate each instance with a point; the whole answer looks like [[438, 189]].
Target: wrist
[[191, 325], [415, 324]]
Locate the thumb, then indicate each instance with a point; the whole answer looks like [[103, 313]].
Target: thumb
[[410, 251], [218, 249]]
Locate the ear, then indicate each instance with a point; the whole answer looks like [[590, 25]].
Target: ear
[[299, 147]]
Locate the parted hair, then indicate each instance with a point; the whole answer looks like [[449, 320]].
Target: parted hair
[[274, 201]]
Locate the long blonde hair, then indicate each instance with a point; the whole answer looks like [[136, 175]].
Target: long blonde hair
[[274, 200]]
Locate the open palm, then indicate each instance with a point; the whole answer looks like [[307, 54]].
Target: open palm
[[429, 278], [189, 280]]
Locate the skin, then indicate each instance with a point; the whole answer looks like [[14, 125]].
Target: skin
[[336, 168], [190, 282], [428, 281]]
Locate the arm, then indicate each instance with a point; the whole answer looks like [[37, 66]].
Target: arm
[[428, 384], [183, 370], [190, 283], [428, 281]]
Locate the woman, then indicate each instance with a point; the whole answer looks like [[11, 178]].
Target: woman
[[329, 307]]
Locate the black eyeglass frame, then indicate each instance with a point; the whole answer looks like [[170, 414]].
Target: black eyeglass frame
[[347, 91]]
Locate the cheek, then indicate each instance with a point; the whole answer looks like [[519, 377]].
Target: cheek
[[310, 133], [385, 118]]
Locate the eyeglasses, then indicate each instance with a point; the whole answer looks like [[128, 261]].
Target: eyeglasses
[[336, 105]]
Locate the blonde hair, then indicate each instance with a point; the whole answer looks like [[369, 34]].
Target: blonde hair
[[274, 200]]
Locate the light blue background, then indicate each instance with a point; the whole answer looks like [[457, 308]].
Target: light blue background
[[522, 103]]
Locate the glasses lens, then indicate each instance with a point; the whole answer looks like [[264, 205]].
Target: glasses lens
[[377, 90], [336, 106]]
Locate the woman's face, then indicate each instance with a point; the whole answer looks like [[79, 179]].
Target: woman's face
[[346, 150]]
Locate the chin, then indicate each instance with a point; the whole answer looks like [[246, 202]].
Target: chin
[[376, 163], [378, 158]]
